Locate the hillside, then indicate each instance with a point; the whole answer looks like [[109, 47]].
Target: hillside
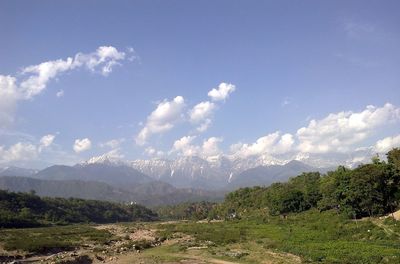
[[154, 193], [28, 209], [366, 191], [266, 175], [119, 176], [66, 188]]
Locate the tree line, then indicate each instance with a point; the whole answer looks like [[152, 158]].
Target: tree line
[[368, 190], [30, 210]]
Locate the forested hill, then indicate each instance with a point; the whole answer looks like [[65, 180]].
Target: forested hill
[[29, 210], [368, 190]]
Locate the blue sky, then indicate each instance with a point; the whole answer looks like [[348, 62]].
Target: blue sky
[[284, 63]]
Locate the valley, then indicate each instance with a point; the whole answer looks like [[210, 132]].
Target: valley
[[342, 216], [274, 240]]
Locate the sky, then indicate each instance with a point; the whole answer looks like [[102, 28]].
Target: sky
[[148, 79]]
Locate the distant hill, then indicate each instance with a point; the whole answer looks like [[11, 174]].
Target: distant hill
[[120, 181], [28, 210], [150, 194], [66, 188], [16, 171], [118, 176], [266, 175]]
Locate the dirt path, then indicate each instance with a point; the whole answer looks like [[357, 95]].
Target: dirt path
[[179, 259]]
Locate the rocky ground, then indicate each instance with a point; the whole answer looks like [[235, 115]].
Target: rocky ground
[[141, 243]]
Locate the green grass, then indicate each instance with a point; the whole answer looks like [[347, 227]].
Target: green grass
[[52, 239], [315, 237]]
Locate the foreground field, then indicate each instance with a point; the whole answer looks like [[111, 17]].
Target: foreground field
[[308, 237]]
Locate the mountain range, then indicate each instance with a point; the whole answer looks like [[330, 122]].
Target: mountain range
[[151, 182]]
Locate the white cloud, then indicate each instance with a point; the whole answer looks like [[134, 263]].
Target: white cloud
[[46, 141], [35, 78], [201, 111], [340, 131], [18, 152], [386, 144], [150, 151], [210, 147], [41, 74], [162, 119], [113, 143], [105, 57], [185, 147], [82, 145], [284, 144], [204, 126], [223, 91], [60, 93], [200, 114], [273, 143]]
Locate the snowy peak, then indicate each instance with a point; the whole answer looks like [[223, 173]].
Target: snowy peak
[[212, 173], [104, 159]]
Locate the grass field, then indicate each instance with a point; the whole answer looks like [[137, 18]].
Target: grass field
[[309, 237], [315, 237], [52, 239]]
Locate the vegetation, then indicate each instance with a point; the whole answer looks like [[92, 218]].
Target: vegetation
[[312, 218], [369, 190], [29, 210], [314, 236], [51, 239], [186, 211]]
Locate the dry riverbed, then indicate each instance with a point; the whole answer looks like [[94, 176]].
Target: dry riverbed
[[142, 243]]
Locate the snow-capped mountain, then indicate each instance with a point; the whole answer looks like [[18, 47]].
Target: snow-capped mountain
[[183, 172], [214, 173]]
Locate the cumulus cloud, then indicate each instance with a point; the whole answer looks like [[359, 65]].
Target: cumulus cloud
[[340, 131], [210, 147], [201, 111], [200, 114], [204, 126], [105, 58], [46, 141], [18, 152], [35, 78], [184, 146], [386, 144], [222, 92], [82, 145], [162, 119], [273, 143]]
